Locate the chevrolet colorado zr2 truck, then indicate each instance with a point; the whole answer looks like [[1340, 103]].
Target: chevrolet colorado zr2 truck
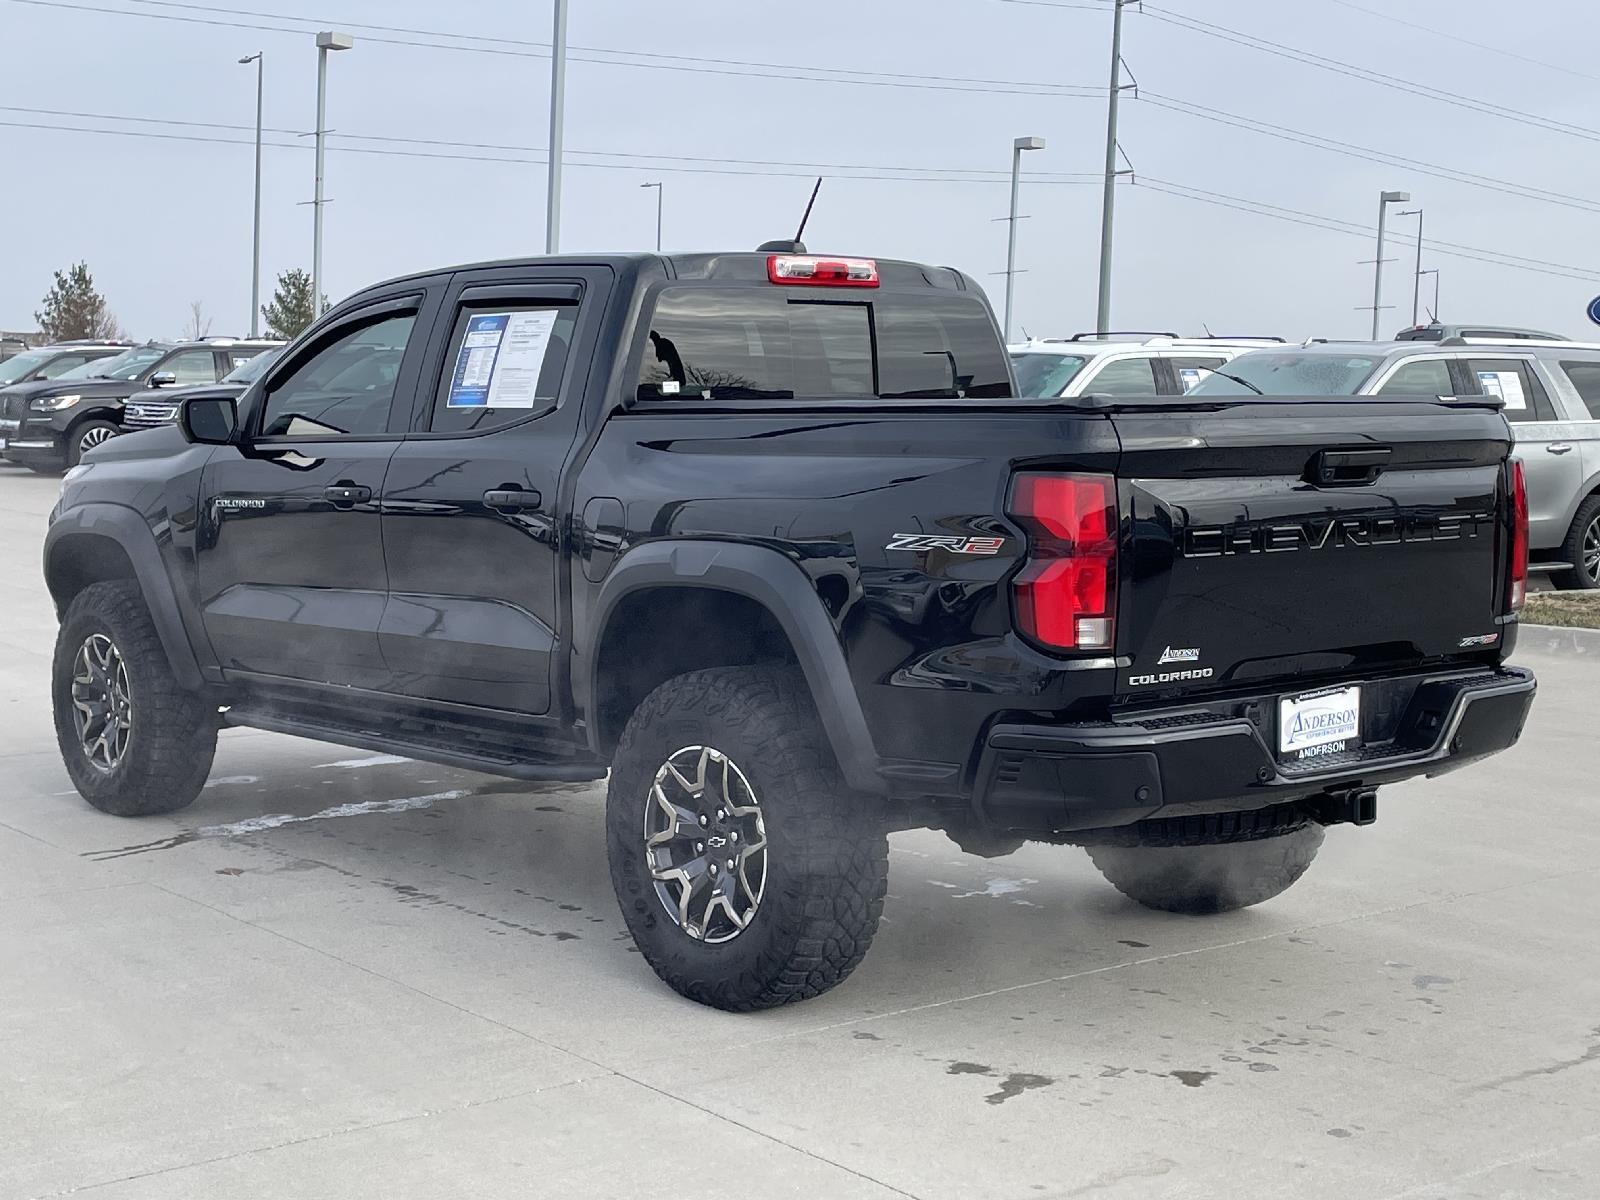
[[768, 541]]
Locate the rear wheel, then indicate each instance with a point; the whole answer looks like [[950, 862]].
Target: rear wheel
[[134, 740], [1210, 871], [748, 874], [86, 437], [1582, 550]]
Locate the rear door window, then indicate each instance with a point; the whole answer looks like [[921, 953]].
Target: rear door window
[[1513, 381], [1190, 373], [1124, 377], [192, 366], [505, 364], [752, 343], [1423, 377], [1585, 379]]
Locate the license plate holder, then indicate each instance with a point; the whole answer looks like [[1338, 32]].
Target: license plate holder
[[1313, 725]]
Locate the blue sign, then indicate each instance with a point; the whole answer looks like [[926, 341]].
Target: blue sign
[[475, 361], [1594, 310]]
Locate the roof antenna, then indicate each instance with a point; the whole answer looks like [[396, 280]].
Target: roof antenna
[[1207, 328], [796, 246]]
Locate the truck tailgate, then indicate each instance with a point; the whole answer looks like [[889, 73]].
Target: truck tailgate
[[1269, 540]]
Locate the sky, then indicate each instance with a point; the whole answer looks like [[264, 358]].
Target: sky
[[163, 221]]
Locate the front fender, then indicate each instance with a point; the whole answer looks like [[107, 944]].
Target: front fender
[[784, 590], [128, 530]]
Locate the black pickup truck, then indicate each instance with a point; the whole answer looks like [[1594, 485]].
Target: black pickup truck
[[768, 538]]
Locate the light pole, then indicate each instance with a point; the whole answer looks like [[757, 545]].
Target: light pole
[[660, 191], [1017, 147], [558, 101], [255, 240], [326, 40], [1102, 320], [1416, 278], [1434, 271], [1384, 200]]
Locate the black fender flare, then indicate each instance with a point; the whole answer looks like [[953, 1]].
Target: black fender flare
[[129, 530], [783, 589]]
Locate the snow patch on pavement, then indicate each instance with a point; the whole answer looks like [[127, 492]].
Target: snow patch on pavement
[[276, 820], [375, 760]]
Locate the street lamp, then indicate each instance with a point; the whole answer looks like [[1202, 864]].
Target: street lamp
[[1017, 147], [255, 240], [660, 191], [1434, 271], [1384, 200], [1416, 276], [326, 40]]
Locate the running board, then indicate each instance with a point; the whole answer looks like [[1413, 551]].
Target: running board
[[507, 762]]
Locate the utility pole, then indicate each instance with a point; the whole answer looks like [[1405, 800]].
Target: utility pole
[[1108, 202], [326, 41], [1384, 200], [1416, 280], [1434, 271], [255, 242], [659, 192], [558, 89], [1017, 147]]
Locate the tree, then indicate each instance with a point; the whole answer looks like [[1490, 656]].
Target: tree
[[199, 324], [74, 310], [292, 308]]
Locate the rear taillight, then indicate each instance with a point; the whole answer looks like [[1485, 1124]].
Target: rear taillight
[[822, 272], [1519, 535], [1066, 592]]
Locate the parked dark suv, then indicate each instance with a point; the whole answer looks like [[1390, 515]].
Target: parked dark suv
[[53, 361], [49, 425]]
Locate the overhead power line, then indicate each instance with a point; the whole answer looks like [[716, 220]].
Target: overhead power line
[[1340, 67], [1434, 31], [1353, 229], [601, 56], [1368, 153]]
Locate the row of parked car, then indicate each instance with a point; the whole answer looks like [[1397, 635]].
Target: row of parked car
[[1550, 387], [58, 402]]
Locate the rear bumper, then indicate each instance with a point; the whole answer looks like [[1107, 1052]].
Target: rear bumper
[[1218, 757]]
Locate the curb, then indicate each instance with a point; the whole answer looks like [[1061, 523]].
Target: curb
[[1558, 640]]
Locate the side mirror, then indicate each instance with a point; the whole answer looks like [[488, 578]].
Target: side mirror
[[209, 420], [163, 379]]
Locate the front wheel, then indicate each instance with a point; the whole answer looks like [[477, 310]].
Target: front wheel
[[1582, 550], [748, 874], [1204, 874], [86, 437], [134, 740]]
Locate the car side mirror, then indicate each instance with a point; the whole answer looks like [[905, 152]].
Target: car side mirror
[[163, 379], [209, 420]]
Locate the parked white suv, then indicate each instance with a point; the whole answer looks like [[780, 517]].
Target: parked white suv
[[1150, 364], [1552, 400]]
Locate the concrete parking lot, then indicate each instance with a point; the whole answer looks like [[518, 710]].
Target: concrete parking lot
[[342, 974]]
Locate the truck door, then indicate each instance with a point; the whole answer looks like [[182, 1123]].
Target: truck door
[[289, 553], [471, 507]]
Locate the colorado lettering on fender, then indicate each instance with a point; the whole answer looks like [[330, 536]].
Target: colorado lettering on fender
[[1251, 537], [1170, 677]]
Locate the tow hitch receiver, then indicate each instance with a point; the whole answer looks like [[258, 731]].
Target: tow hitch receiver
[[1358, 806]]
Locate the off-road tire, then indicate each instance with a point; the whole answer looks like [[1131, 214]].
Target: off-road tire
[[1573, 549], [827, 853], [1213, 872], [73, 443], [172, 735]]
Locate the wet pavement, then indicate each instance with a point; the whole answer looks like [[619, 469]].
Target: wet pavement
[[343, 974]]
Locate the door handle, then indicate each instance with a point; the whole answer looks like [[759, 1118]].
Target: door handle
[[510, 500], [345, 495], [1558, 448]]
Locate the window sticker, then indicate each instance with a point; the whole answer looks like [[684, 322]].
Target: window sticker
[[500, 360], [1507, 385]]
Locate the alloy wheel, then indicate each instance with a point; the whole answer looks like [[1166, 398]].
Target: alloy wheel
[[706, 844], [92, 437], [102, 703]]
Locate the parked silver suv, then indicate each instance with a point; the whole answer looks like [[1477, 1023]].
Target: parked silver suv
[[1552, 400]]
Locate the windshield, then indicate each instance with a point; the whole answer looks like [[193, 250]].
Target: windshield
[[251, 369], [130, 364], [1041, 375], [22, 365], [1289, 375]]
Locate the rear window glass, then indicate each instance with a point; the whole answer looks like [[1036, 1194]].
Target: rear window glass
[[1045, 375], [1125, 377], [1585, 377], [1425, 377], [1272, 374], [762, 343]]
